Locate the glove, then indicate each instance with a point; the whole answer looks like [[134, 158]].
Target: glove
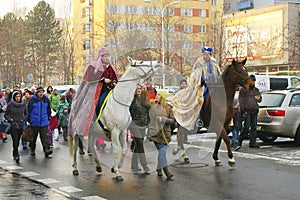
[[28, 124]]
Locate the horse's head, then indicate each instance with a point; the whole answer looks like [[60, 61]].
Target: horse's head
[[145, 68], [237, 73]]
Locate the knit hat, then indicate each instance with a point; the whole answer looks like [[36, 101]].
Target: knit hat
[[63, 97], [40, 89], [252, 77], [102, 51], [163, 94]]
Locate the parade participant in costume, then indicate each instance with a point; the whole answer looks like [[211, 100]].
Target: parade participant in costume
[[162, 118], [109, 77]]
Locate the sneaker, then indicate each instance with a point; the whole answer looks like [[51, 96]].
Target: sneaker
[[81, 152], [147, 170], [32, 152], [237, 148], [48, 152], [175, 151]]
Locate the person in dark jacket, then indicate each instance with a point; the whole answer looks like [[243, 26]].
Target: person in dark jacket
[[39, 115], [138, 110], [15, 114], [248, 100]]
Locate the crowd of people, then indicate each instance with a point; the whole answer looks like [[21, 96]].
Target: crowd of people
[[47, 113]]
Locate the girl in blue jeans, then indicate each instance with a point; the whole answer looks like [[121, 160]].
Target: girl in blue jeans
[[161, 119]]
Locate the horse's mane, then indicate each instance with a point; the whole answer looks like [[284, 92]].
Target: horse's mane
[[226, 70]]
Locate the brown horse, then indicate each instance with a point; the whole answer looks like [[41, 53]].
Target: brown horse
[[220, 106]]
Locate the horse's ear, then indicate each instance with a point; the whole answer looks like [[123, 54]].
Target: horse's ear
[[129, 59], [233, 62], [244, 61]]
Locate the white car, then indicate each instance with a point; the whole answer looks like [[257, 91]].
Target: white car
[[279, 115]]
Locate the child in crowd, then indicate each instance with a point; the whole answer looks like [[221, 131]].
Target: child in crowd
[[53, 128], [63, 121]]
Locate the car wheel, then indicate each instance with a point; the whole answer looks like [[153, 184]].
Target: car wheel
[[267, 138], [297, 137]]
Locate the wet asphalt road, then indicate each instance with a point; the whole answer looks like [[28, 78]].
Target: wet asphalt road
[[13, 186], [268, 173]]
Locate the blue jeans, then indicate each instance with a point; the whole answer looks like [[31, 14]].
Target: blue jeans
[[162, 155], [250, 121], [234, 139]]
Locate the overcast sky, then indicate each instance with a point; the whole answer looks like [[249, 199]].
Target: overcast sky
[[61, 7]]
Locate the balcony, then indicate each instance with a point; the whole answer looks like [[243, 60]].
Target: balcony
[[244, 5]]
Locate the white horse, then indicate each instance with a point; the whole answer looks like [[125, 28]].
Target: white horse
[[116, 116]]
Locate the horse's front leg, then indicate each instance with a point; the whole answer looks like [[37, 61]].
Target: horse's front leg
[[123, 151], [117, 151], [91, 148], [75, 147], [216, 151], [231, 161], [180, 144]]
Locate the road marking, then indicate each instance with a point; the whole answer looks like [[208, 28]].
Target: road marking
[[12, 167], [29, 174], [70, 189], [253, 156], [47, 181], [93, 198], [2, 162]]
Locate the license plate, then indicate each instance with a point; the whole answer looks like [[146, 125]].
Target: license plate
[[258, 128]]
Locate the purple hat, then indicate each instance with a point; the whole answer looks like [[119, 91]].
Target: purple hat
[[98, 63]]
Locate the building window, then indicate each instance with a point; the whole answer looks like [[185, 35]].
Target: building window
[[87, 28], [202, 13], [187, 12], [213, 2], [151, 44], [87, 44], [86, 12], [187, 45], [130, 9], [112, 8], [202, 29], [150, 10], [187, 28]]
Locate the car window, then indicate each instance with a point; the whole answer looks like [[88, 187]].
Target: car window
[[270, 100], [295, 100], [295, 81], [278, 83]]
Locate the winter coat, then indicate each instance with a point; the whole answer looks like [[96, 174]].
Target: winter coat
[[3, 106], [16, 113], [61, 105], [138, 109], [53, 124], [155, 127], [39, 111], [54, 101], [248, 103], [63, 119]]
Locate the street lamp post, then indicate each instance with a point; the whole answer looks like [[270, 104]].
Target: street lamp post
[[162, 36]]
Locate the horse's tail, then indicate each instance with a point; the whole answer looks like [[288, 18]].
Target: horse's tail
[[70, 142]]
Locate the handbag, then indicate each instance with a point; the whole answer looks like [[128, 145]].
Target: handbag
[[27, 134], [4, 126]]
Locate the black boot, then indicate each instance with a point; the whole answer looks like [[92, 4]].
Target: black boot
[[167, 173]]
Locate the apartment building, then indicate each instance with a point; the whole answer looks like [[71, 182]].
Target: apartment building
[[134, 28]]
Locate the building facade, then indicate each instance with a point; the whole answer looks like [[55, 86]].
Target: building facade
[[269, 37], [134, 28]]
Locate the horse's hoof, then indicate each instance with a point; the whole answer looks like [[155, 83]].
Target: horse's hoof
[[231, 162], [218, 163], [175, 151], [113, 170], [119, 178], [186, 160], [99, 169], [75, 172]]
